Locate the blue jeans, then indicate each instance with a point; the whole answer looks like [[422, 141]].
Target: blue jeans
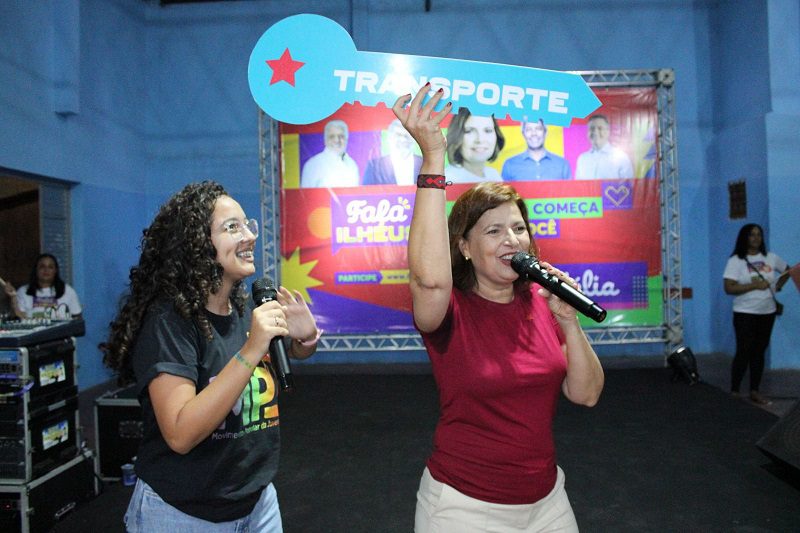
[[148, 513]]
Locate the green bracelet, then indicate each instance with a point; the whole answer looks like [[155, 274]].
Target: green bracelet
[[244, 361]]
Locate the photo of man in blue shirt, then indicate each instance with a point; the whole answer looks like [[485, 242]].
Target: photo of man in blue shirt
[[536, 163]]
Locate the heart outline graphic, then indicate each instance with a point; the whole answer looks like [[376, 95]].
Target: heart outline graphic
[[618, 194]]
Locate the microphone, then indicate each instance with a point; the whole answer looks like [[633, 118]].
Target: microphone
[[527, 265], [264, 291]]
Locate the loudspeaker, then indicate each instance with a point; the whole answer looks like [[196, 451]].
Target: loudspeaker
[[782, 442], [684, 365]]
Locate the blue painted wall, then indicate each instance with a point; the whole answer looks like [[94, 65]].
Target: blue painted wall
[[130, 101], [782, 124], [754, 76]]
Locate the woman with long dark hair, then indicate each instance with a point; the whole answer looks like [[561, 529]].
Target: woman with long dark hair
[[191, 340], [752, 276], [46, 295]]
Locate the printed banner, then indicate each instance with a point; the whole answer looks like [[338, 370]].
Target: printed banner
[[347, 196]]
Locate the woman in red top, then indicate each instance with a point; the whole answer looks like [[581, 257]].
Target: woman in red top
[[501, 349]]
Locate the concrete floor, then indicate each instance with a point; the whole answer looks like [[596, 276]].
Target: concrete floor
[[782, 386]]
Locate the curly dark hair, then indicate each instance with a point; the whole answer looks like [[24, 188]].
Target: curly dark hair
[[467, 209], [743, 241], [33, 279], [178, 263]]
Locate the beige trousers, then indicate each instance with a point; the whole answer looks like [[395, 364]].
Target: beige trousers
[[442, 509]]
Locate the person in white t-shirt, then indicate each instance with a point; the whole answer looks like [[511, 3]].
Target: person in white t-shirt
[[46, 295], [752, 276]]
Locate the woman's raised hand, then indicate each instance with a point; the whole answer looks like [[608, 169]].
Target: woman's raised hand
[[301, 323], [7, 288], [422, 121]]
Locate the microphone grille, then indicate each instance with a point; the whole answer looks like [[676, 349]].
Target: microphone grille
[[263, 289], [519, 259]]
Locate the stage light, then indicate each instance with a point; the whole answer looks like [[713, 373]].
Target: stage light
[[684, 365]]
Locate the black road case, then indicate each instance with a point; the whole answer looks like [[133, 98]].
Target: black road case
[[35, 507], [39, 424], [118, 431]]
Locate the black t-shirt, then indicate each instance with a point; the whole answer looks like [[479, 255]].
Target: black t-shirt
[[222, 477]]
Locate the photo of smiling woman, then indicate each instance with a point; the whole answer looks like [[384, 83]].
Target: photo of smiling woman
[[472, 141], [190, 339]]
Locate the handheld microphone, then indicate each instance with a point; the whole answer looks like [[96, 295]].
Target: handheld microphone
[[527, 265], [264, 291]]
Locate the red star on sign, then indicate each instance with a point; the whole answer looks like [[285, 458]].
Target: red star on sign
[[283, 69]]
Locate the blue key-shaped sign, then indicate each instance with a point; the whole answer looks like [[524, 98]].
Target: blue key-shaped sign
[[305, 67]]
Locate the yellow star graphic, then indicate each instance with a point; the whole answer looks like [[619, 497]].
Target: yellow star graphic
[[296, 275]]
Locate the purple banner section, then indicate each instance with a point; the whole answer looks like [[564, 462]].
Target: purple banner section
[[612, 285], [617, 195], [370, 220]]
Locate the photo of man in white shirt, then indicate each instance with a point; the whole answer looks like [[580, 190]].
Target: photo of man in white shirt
[[332, 167], [602, 161]]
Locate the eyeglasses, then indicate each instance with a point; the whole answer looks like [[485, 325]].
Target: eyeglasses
[[236, 228]]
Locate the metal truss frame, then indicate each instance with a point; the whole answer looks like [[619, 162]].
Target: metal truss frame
[[269, 185], [670, 333]]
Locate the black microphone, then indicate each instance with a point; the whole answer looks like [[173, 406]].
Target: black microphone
[[528, 266], [264, 291]]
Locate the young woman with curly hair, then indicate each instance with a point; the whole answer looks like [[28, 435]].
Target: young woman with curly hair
[[194, 345]]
